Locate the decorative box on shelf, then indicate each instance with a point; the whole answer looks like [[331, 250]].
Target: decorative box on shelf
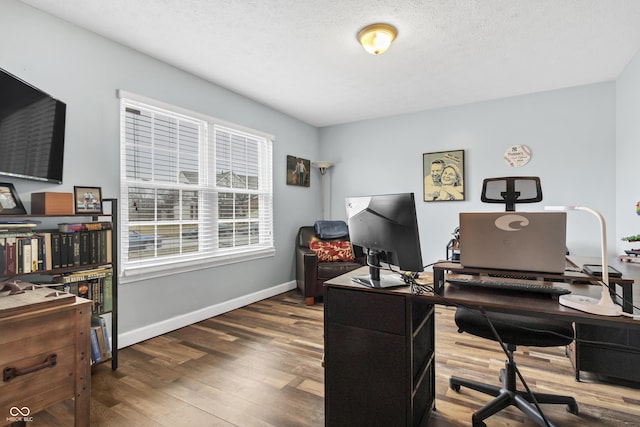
[[52, 203]]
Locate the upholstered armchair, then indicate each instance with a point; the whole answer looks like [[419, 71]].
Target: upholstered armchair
[[319, 259]]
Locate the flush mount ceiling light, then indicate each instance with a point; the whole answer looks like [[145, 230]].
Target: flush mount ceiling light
[[376, 38]]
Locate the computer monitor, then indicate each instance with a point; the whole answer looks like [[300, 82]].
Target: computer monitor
[[386, 227]]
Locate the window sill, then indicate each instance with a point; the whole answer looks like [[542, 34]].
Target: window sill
[[135, 274]]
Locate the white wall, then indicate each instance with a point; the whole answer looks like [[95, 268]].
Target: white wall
[[628, 154], [85, 71], [571, 134]]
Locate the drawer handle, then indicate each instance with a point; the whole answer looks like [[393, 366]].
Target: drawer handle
[[9, 373]]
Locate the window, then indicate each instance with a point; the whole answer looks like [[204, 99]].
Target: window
[[196, 192]]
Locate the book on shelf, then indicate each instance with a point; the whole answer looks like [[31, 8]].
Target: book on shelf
[[56, 257], [102, 332], [107, 294], [95, 346], [64, 250], [84, 247], [17, 226], [74, 250], [47, 251], [35, 253], [101, 343], [83, 275], [19, 223], [84, 226], [19, 256], [10, 254]]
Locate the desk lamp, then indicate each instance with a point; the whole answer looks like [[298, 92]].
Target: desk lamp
[[605, 305]]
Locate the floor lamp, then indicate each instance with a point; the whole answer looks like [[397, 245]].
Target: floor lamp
[[322, 167]]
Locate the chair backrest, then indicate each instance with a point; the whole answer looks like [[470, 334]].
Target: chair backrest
[[511, 190]]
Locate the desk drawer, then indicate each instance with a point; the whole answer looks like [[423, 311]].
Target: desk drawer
[[610, 362], [375, 311], [607, 334], [27, 341]]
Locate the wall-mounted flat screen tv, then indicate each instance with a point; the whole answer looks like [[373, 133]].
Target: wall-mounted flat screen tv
[[31, 131]]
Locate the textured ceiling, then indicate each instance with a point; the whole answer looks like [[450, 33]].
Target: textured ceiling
[[301, 56]]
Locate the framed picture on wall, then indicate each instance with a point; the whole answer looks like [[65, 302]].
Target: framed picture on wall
[[10, 203], [298, 171], [443, 174]]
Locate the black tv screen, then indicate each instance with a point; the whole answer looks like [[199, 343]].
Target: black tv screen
[[31, 131]]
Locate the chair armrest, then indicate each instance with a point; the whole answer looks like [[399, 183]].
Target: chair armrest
[[306, 266]]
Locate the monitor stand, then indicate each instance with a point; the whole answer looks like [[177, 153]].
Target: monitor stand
[[374, 280]]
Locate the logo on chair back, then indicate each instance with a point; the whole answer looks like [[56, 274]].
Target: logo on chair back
[[511, 222]]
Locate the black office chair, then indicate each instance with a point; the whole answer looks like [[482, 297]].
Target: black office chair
[[512, 329]]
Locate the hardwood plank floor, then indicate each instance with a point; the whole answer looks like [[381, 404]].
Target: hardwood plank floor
[[261, 366]]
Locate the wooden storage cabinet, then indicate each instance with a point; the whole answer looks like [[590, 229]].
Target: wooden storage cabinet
[[33, 336], [379, 363]]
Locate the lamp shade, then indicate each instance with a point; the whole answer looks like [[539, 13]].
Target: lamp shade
[[376, 38], [322, 164]]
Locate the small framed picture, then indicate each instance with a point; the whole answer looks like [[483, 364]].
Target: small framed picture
[[443, 174], [87, 200], [10, 203], [298, 171]]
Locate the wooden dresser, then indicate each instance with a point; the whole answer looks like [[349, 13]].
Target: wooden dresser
[[44, 355]]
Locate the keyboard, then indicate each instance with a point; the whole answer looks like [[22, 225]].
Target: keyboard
[[537, 287]]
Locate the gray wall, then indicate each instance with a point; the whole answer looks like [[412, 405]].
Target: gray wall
[[572, 134], [85, 71]]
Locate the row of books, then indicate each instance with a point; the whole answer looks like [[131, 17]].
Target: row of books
[[100, 344], [31, 251], [95, 284]]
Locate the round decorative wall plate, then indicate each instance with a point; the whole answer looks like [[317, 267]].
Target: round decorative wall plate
[[517, 155]]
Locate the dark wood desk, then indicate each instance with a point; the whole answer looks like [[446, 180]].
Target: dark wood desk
[[572, 275], [379, 345]]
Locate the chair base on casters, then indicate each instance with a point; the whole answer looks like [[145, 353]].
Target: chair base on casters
[[508, 395]]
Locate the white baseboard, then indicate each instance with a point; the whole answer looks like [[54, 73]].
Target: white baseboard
[[138, 335]]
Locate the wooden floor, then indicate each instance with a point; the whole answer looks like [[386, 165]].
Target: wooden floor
[[261, 366]]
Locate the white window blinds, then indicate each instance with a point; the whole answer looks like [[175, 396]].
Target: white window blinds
[[195, 192]]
